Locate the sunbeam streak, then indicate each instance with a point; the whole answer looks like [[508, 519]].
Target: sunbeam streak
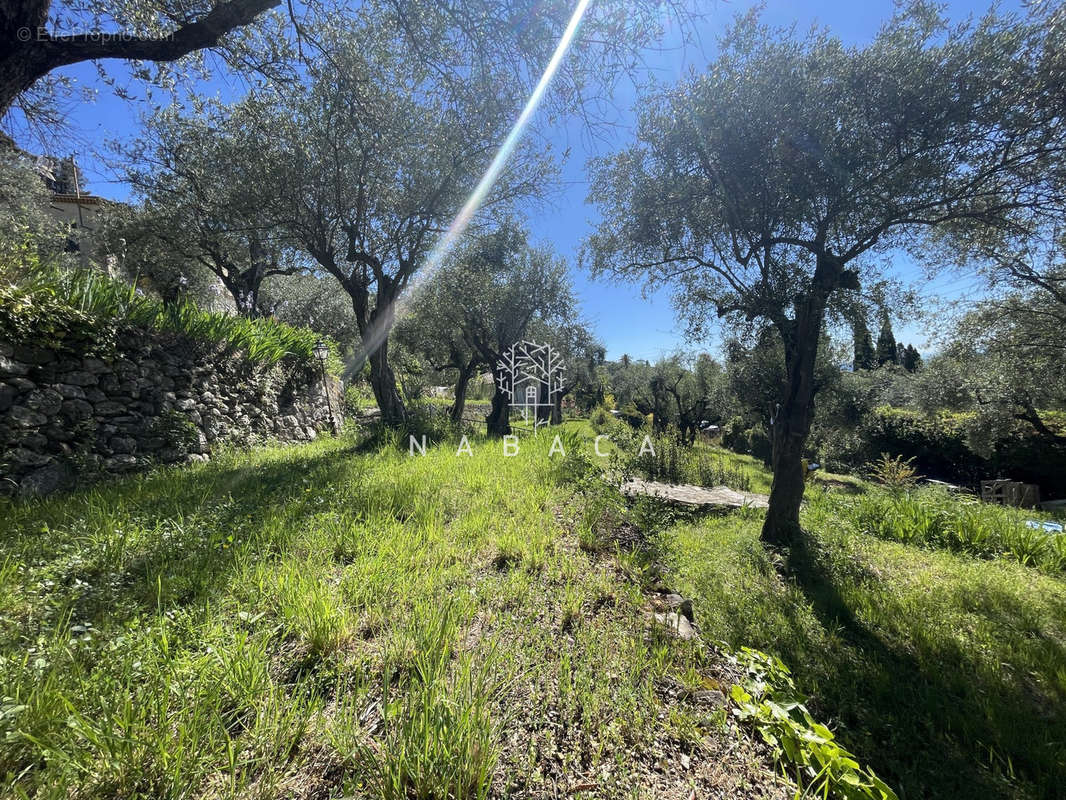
[[380, 329]]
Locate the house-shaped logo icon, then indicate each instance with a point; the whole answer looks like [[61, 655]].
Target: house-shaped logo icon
[[531, 375]]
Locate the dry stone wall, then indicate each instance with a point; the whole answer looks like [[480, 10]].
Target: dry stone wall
[[144, 398]]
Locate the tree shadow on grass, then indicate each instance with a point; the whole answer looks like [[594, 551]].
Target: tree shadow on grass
[[921, 713], [197, 524]]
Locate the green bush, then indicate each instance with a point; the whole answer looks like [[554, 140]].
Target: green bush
[[357, 397], [602, 420], [759, 445], [735, 436], [941, 447], [631, 414]]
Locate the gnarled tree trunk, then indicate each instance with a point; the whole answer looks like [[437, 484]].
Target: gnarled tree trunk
[[465, 374], [792, 422], [498, 422], [383, 382]]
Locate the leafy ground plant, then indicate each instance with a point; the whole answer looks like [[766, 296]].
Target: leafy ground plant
[[767, 697], [49, 304], [933, 517]]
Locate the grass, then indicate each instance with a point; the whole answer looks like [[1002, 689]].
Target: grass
[[331, 620], [947, 672], [52, 305], [321, 621], [932, 517]]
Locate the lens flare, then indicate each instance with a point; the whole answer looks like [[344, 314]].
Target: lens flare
[[380, 329]]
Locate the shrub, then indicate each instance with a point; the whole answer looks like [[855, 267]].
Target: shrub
[[601, 420], [759, 445], [356, 398], [895, 472], [632, 415]]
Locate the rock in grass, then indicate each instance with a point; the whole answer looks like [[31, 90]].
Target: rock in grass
[[672, 601], [676, 623]]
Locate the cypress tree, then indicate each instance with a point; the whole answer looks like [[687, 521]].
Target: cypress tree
[[863, 353], [912, 359], [886, 343]]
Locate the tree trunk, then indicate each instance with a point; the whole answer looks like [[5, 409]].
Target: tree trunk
[[383, 382], [792, 423], [498, 422], [544, 408], [557, 406], [30, 52], [465, 374]]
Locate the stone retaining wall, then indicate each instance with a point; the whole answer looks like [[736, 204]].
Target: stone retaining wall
[[145, 398]]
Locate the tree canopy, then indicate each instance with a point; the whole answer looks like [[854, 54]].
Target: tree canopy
[[758, 188]]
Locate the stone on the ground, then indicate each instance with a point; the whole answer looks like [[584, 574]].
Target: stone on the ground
[[676, 623], [686, 494]]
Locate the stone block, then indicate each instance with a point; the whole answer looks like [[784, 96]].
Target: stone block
[[25, 417], [120, 463], [68, 391], [46, 401], [123, 444], [9, 367], [33, 355], [80, 378], [109, 408], [76, 410], [22, 384], [45, 480], [95, 366]]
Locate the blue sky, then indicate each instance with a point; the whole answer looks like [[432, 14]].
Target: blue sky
[[627, 322]]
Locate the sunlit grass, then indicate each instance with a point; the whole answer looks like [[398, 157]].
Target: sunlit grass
[[370, 623], [946, 671]]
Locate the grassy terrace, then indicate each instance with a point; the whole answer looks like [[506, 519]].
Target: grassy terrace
[[313, 621], [323, 621]]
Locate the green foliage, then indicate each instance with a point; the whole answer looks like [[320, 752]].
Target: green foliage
[[942, 671], [945, 445], [767, 698], [630, 414], [863, 349], [53, 307], [887, 352], [932, 517], [672, 460], [895, 472], [357, 398], [26, 226], [602, 420], [176, 429]]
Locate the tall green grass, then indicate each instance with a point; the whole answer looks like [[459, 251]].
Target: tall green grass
[[932, 517], [50, 304], [332, 620], [945, 673]]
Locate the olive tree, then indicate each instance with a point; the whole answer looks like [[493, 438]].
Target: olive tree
[[1013, 349], [205, 190], [488, 297], [761, 187], [372, 165]]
